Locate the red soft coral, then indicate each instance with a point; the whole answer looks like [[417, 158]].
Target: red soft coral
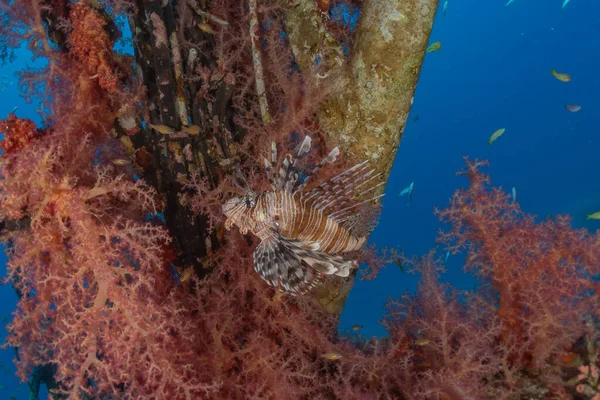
[[453, 339], [545, 273]]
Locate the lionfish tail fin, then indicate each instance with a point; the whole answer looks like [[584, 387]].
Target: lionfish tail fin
[[363, 221]]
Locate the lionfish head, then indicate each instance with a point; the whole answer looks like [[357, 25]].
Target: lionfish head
[[237, 205]]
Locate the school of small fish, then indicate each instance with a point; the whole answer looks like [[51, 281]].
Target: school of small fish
[[560, 76]]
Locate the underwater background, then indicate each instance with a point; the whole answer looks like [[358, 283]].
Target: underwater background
[[491, 72]]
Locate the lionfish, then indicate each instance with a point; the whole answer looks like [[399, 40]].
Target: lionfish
[[303, 231]]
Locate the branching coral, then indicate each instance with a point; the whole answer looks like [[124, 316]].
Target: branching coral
[[92, 45], [18, 133]]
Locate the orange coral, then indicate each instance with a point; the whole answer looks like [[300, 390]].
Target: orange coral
[[92, 45]]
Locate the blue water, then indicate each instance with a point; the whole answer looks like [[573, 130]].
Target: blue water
[[492, 72]]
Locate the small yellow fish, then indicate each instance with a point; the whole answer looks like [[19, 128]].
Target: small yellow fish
[[595, 215], [206, 28], [164, 129], [561, 77], [185, 275], [495, 136], [191, 130], [127, 144], [422, 342], [120, 161], [332, 356], [356, 327], [435, 46]]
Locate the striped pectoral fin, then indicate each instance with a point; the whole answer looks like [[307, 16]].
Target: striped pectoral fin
[[278, 264], [320, 261], [296, 266]]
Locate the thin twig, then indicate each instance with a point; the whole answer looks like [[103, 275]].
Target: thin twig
[[207, 15], [258, 69]]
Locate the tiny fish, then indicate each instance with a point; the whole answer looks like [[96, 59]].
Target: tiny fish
[[595, 215], [356, 327], [561, 77], [398, 262], [120, 161], [564, 4], [416, 118], [435, 47], [408, 190], [495, 136], [332, 356], [446, 258], [573, 107], [514, 194], [14, 109], [206, 28], [445, 8], [164, 129], [192, 129], [185, 275], [509, 2], [422, 342]]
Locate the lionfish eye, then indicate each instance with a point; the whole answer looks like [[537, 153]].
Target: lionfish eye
[[248, 203]]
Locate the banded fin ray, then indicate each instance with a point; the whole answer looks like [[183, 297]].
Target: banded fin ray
[[341, 196], [296, 266], [331, 157], [287, 176], [271, 165]]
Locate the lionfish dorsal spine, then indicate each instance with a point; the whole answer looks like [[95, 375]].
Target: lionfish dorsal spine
[[271, 165], [292, 174], [284, 171], [331, 157], [341, 196]]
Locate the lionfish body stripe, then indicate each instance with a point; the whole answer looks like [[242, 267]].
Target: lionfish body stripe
[[302, 232]]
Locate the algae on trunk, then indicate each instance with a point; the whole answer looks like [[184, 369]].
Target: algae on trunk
[[367, 110]]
